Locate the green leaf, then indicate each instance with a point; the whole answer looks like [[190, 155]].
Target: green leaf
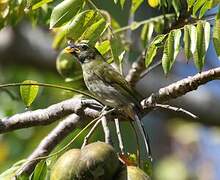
[[122, 2], [10, 173], [159, 26], [187, 42], [135, 5], [103, 47], [28, 92], [152, 49], [59, 38], [80, 23], [40, 4], [117, 49], [215, 3], [204, 8], [190, 38], [198, 4], [216, 34], [64, 12], [203, 38], [94, 32], [190, 3], [177, 6], [171, 49], [146, 33], [40, 171]]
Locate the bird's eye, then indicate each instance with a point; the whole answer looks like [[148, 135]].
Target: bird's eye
[[84, 47]]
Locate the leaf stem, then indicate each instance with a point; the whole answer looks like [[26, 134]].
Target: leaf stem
[[48, 85], [144, 22]]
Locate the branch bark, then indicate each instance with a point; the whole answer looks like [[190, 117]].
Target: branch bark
[[49, 143], [48, 115], [180, 88]]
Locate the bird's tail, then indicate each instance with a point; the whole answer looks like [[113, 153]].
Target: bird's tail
[[140, 125]]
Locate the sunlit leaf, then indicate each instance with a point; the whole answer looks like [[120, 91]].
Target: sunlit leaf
[[190, 38], [203, 38], [190, 3], [59, 38], [154, 3], [40, 171], [80, 23], [146, 33], [40, 4], [198, 4], [95, 31], [103, 47], [135, 5], [29, 92], [216, 34], [171, 50], [152, 49], [204, 8], [177, 6], [64, 11], [122, 2]]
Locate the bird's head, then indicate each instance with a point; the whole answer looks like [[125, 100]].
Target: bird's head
[[82, 51]]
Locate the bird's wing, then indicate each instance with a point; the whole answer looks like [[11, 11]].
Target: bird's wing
[[110, 76]]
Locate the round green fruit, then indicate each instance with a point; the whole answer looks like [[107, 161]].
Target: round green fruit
[[98, 161], [65, 167], [66, 65], [132, 173]]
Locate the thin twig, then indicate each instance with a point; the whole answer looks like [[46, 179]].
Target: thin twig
[[148, 70], [102, 114], [176, 109], [106, 130], [118, 131], [138, 144], [144, 22], [87, 137]]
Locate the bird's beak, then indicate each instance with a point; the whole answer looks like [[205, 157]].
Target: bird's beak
[[69, 49]]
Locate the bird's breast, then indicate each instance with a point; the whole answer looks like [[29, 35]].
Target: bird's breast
[[107, 94]]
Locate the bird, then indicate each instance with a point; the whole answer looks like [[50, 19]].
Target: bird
[[108, 85]]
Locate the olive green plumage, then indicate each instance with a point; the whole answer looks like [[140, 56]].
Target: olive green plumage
[[107, 85]]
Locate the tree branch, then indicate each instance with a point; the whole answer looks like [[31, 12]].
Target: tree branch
[[181, 87], [46, 116], [177, 109], [137, 68], [49, 142]]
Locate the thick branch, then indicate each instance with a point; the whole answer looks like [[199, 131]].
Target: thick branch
[[45, 116], [49, 142], [136, 69], [55, 137], [181, 87]]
